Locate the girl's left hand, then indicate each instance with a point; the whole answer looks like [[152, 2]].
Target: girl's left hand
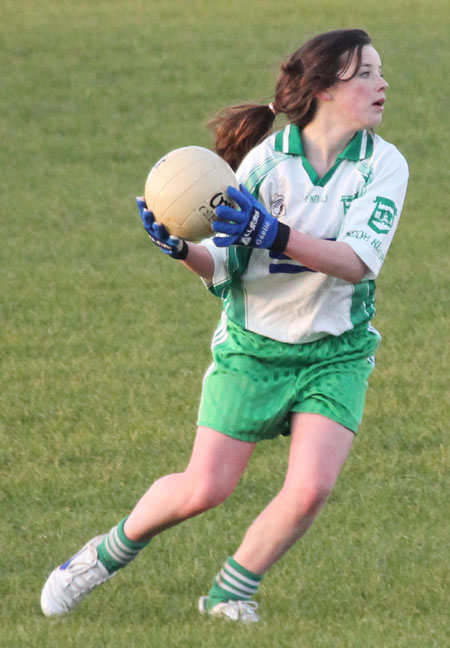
[[251, 225]]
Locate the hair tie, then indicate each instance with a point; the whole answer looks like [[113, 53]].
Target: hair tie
[[273, 109]]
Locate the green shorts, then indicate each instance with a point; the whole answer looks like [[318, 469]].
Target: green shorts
[[254, 383]]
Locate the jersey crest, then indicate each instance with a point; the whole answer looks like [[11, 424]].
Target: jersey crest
[[383, 215], [278, 206]]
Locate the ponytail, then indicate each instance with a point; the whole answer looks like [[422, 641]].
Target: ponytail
[[238, 129]]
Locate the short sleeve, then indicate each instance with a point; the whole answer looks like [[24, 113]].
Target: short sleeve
[[372, 217]]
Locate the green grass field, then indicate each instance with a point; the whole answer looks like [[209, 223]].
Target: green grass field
[[105, 341]]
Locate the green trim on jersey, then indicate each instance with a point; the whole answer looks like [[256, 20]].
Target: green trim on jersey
[[257, 175], [237, 262], [289, 142], [363, 302], [314, 176]]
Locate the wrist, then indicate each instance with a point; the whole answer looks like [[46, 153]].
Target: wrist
[[182, 253], [281, 238]]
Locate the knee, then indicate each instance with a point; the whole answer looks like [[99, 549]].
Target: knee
[[206, 493], [308, 500], [314, 497]]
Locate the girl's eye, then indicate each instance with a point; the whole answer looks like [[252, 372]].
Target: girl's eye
[[364, 74]]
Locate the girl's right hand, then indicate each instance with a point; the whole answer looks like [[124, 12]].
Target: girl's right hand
[[170, 245]]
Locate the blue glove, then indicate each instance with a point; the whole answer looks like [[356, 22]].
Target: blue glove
[[252, 225], [170, 245]]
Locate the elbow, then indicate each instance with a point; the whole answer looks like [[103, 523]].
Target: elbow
[[356, 273], [355, 277], [356, 270]]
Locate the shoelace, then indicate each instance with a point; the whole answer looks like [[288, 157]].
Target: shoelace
[[248, 608], [76, 568], [83, 577], [244, 610]]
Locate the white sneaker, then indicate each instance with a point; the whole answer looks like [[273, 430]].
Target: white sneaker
[[243, 611], [74, 579]]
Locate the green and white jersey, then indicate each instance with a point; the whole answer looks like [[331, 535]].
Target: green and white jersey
[[358, 201]]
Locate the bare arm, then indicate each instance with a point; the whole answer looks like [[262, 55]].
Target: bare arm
[[333, 258], [200, 261]]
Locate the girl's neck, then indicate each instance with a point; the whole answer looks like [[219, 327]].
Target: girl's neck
[[323, 143]]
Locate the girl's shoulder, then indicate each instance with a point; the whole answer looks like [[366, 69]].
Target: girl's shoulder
[[261, 159], [385, 152]]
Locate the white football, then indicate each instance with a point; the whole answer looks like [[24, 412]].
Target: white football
[[184, 187]]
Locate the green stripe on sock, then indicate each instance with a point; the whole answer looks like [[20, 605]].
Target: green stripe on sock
[[245, 572], [131, 544], [233, 583], [116, 550]]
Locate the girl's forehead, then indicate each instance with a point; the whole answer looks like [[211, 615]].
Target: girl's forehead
[[369, 58]]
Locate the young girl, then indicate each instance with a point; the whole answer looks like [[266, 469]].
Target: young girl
[[295, 265]]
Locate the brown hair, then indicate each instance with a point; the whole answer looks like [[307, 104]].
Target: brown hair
[[314, 67]]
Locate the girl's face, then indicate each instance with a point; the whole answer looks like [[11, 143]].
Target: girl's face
[[359, 101]]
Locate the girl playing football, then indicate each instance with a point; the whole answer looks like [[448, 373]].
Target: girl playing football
[[295, 264]]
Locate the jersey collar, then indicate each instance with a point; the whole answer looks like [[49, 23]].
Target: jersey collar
[[289, 141]]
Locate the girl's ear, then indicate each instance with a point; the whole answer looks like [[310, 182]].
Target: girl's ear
[[324, 95]]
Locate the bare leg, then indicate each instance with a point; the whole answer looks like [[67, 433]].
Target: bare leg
[[319, 448], [214, 470]]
